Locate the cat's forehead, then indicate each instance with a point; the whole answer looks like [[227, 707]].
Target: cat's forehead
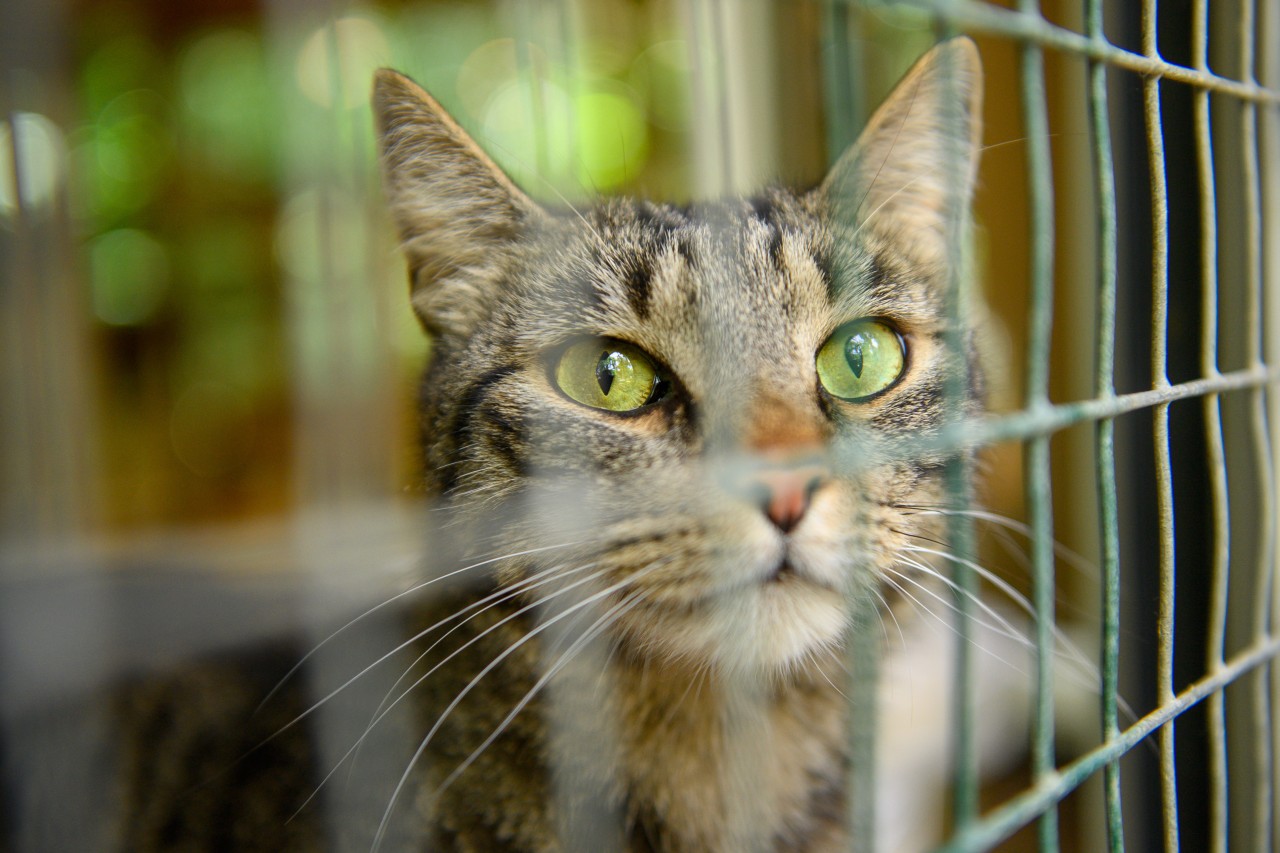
[[773, 254]]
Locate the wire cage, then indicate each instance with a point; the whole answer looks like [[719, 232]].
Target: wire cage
[[207, 432]]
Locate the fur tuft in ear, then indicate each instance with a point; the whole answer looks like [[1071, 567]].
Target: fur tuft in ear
[[457, 211], [910, 175]]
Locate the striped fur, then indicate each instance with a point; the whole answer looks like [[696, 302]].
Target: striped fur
[[714, 720]]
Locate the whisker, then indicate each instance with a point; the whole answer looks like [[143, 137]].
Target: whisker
[[888, 609], [415, 588], [1004, 586], [900, 588], [1072, 558], [1073, 652], [489, 601], [596, 628], [971, 640], [827, 679], [1085, 672], [1002, 626], [510, 650], [388, 709]]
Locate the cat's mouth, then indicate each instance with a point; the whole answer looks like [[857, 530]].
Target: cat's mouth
[[783, 573], [786, 574]]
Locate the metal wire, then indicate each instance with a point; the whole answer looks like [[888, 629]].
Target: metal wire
[[1104, 388], [1000, 823], [1213, 429], [976, 16], [1258, 433], [1037, 473], [1040, 419], [1163, 461]]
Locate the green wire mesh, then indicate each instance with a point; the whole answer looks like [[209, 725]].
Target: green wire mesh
[[1236, 130], [1039, 419]]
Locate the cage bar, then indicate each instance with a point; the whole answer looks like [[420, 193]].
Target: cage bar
[[1001, 822], [1104, 387], [1037, 474], [1163, 462], [976, 16], [1258, 430], [1213, 430]]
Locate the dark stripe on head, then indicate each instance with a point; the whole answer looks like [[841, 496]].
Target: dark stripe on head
[[822, 261], [685, 250], [637, 283], [876, 277], [763, 209], [663, 220], [775, 248], [929, 468], [766, 213], [468, 405], [835, 269], [509, 441]]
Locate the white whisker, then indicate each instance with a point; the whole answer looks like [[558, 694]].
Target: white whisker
[[489, 601], [1072, 558], [389, 708], [510, 650], [595, 629], [1071, 651], [415, 588]]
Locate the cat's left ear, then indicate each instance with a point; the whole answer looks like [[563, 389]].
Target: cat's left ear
[[458, 212], [910, 175]]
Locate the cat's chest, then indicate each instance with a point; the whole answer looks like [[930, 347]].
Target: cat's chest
[[674, 759], [721, 765]]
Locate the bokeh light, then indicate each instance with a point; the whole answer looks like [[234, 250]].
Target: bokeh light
[[129, 275], [525, 126], [613, 137], [359, 46], [493, 66], [431, 42], [660, 74], [227, 114], [319, 233], [31, 147], [556, 132], [123, 61]]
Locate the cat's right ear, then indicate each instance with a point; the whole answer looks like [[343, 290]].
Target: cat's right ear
[[910, 175], [457, 211]]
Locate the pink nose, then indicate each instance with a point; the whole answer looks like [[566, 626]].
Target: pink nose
[[785, 493]]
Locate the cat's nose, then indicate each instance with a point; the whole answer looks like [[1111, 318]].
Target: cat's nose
[[784, 494]]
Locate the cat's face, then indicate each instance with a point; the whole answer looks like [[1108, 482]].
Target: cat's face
[[694, 417]]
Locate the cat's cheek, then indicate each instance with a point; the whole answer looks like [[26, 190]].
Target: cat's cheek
[[830, 548]]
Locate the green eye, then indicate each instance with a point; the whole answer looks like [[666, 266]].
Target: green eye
[[611, 375], [860, 360]]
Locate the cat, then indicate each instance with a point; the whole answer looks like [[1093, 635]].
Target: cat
[[672, 449], [683, 420]]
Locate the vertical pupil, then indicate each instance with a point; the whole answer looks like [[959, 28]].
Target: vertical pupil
[[605, 370], [853, 354]]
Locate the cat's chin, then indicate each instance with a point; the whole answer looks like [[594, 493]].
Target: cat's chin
[[767, 629]]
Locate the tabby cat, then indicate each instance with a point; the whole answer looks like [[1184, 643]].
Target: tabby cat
[[672, 445]]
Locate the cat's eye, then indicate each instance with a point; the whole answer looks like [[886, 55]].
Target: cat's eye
[[861, 359], [611, 375]]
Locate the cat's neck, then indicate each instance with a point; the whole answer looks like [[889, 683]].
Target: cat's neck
[[733, 763], [684, 758]]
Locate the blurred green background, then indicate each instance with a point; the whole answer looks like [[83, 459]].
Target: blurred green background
[[205, 317]]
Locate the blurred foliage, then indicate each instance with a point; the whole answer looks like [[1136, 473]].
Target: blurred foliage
[[223, 186]]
